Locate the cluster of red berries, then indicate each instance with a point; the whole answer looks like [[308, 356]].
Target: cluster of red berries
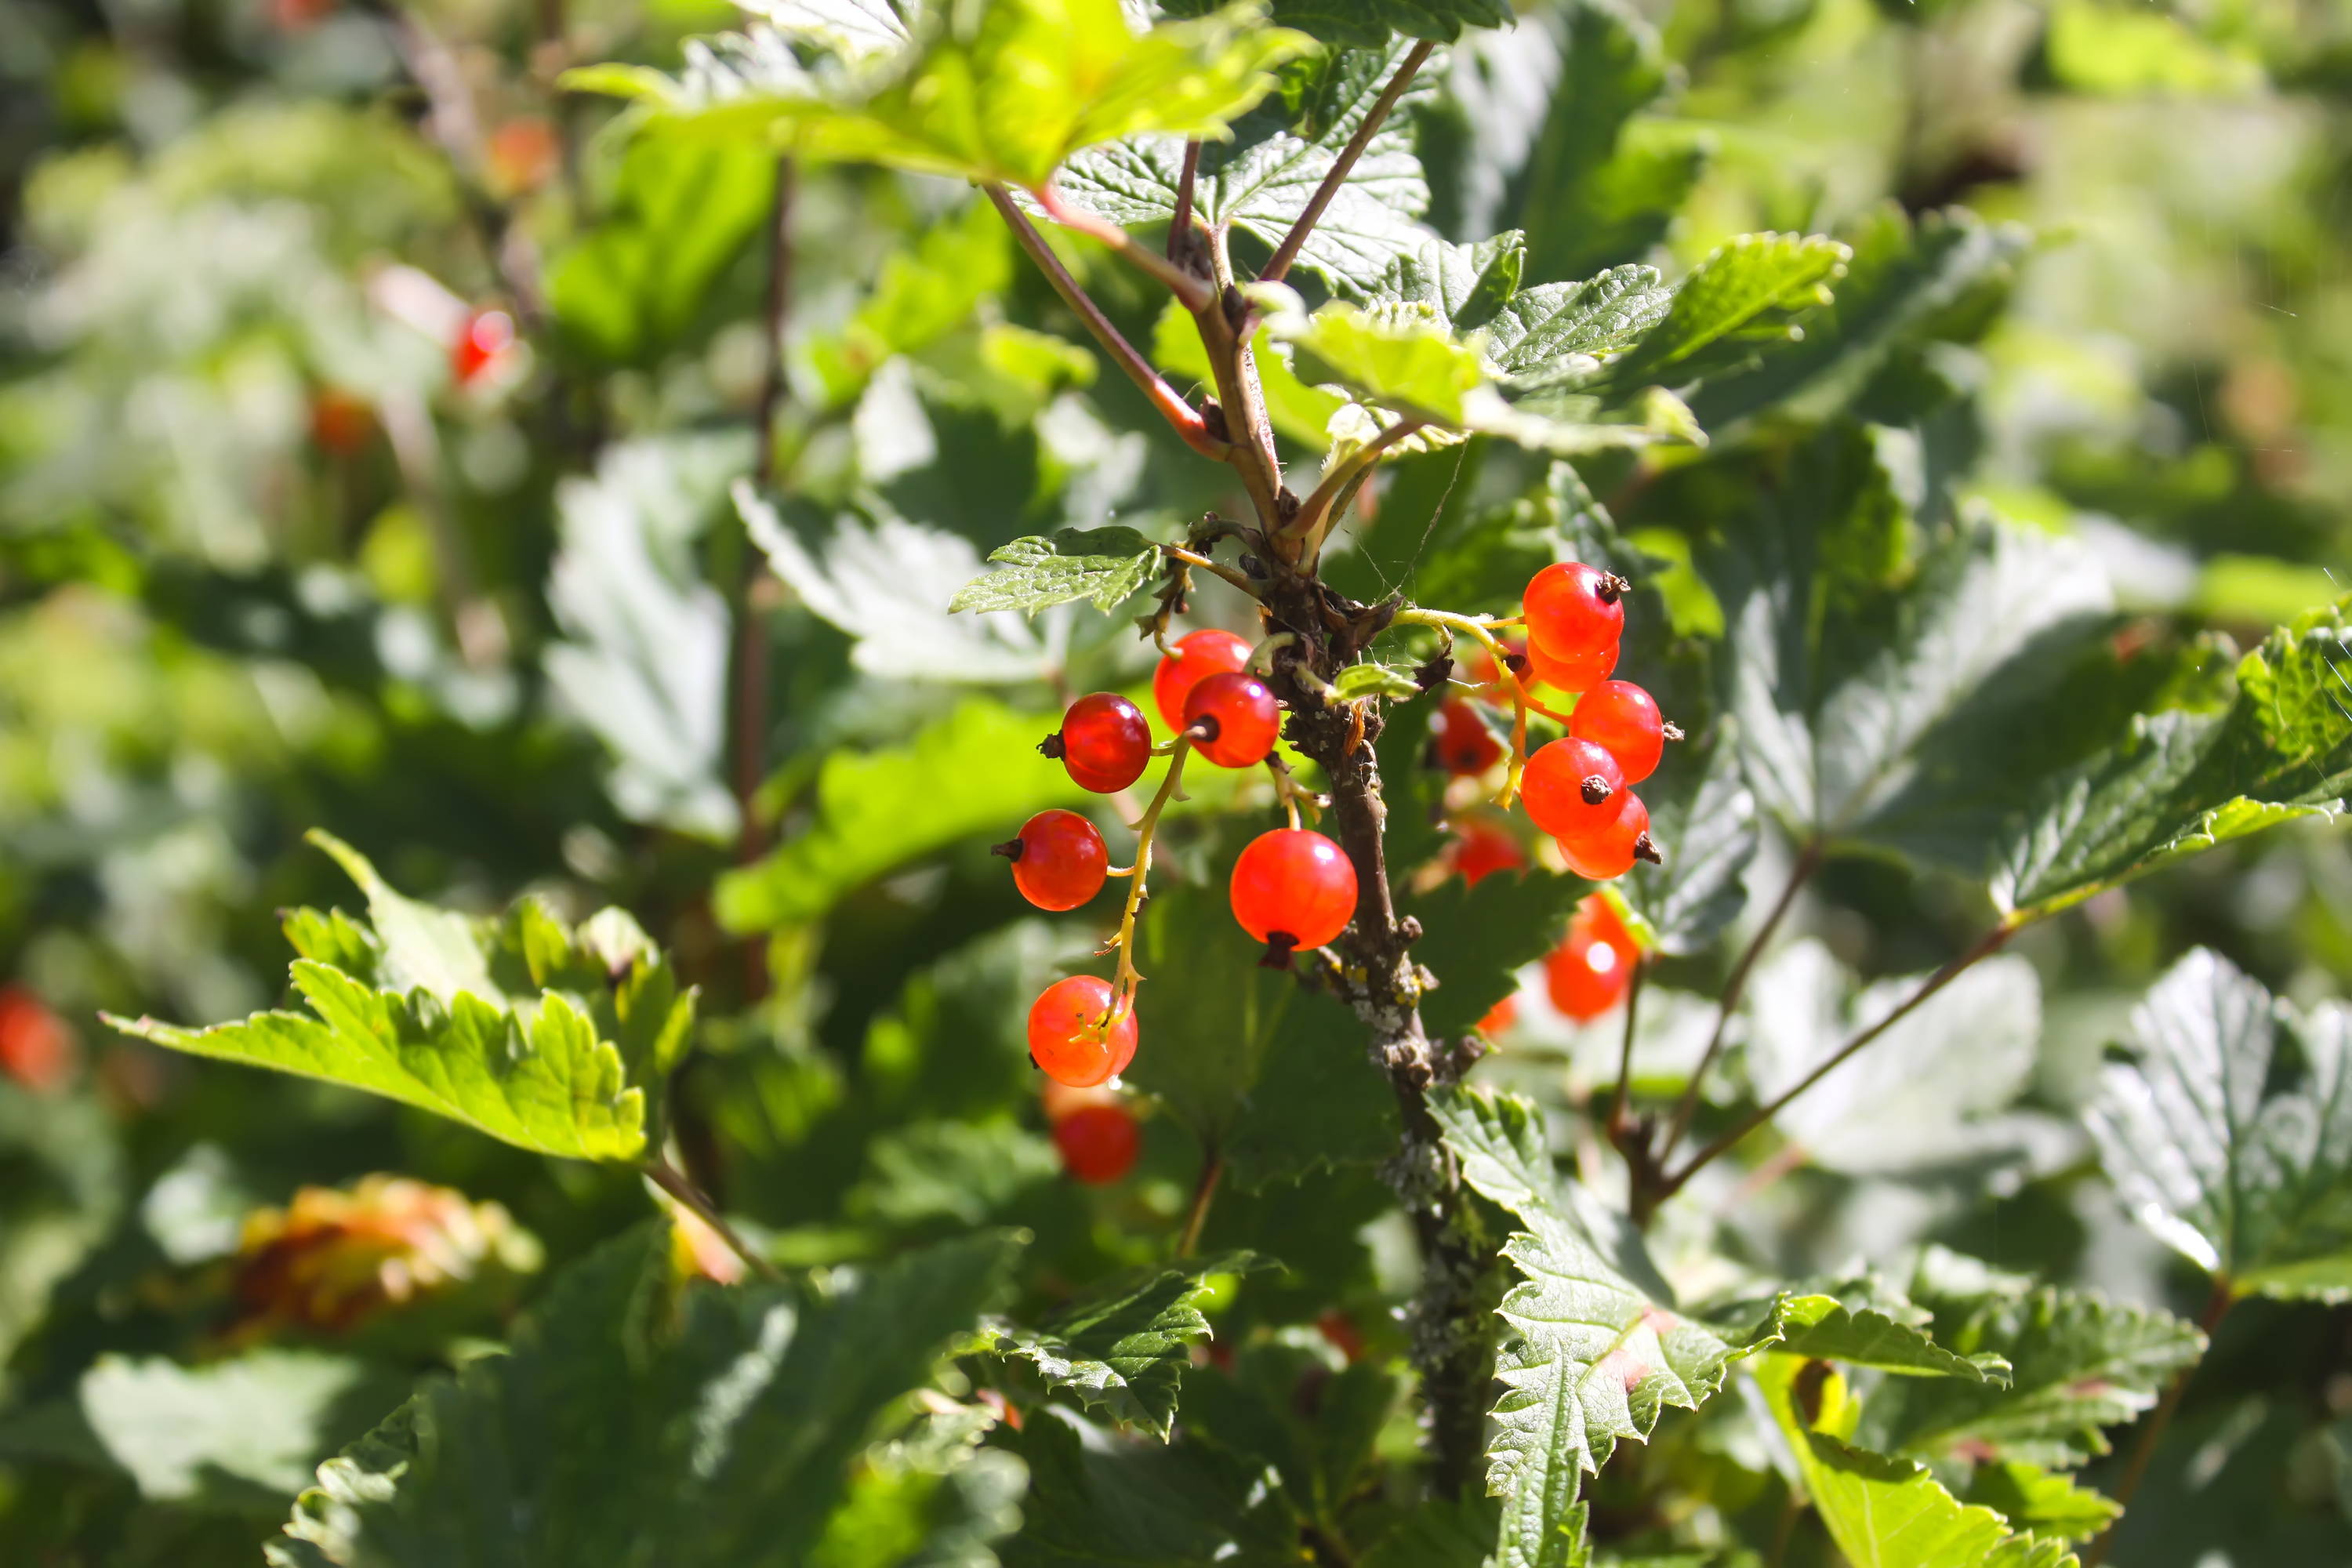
[[1587, 974], [1291, 887], [1579, 789], [1097, 1135]]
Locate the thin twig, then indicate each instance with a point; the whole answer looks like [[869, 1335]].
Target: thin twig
[[1322, 508], [1181, 226], [1287, 251], [665, 1176], [1988, 944], [1165, 398], [1808, 860], [1212, 1166], [1188, 289], [1625, 1051], [1194, 558], [2216, 1306]]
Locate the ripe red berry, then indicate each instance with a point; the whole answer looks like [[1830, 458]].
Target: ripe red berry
[[1105, 742], [1196, 656], [1576, 673], [1236, 717], [1571, 788], [485, 336], [1587, 974], [1499, 1017], [36, 1049], [1068, 1037], [1481, 849], [1622, 719], [1059, 861], [1465, 744], [1611, 849], [1099, 1144], [1573, 608], [1294, 888]]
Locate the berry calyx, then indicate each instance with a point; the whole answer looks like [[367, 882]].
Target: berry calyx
[[1571, 788], [1588, 973], [1574, 674], [1573, 608], [1622, 719], [1104, 742], [484, 335], [1071, 1037], [1196, 656], [1058, 861], [1464, 744], [1099, 1144], [1611, 849], [1481, 849], [1293, 887], [1233, 719]]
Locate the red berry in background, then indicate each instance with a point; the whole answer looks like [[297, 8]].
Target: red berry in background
[[1058, 861], [1068, 1038], [1576, 673], [1196, 656], [1481, 849], [1465, 744], [1611, 850], [1099, 1144], [1237, 717], [1573, 608], [522, 154], [1340, 1332], [340, 422], [1293, 889], [1105, 742], [1622, 719], [35, 1048], [1588, 973], [299, 15], [1571, 788], [1499, 1017], [1059, 1100], [485, 335]]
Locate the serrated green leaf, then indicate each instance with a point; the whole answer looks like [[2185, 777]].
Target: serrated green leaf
[[720, 1430], [429, 1024], [1375, 680], [2079, 1364], [1703, 814], [1368, 23], [1584, 193], [1824, 1328], [1003, 92], [2032, 1498], [2179, 783], [1399, 356], [1104, 566], [878, 810], [1124, 1352], [1600, 1349], [1098, 1497], [1558, 333], [1465, 285], [2249, 1177], [1261, 181], [1742, 284]]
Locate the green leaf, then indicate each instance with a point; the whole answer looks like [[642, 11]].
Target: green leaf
[[1585, 195], [1359, 681], [1098, 1499], [1367, 24], [2079, 1364], [1704, 816], [1297, 410], [1281, 1407], [1882, 1512], [1743, 287], [1465, 285], [1600, 1349], [1824, 1328], [924, 294], [2033, 1499], [1476, 940], [1400, 356], [2117, 51], [878, 810], [1261, 181], [1003, 92], [2181, 782], [934, 1498], [1104, 566], [679, 212], [2239, 1164], [1558, 333], [721, 1428], [420, 1016], [1124, 1352]]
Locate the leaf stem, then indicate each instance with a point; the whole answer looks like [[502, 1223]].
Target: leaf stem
[[1191, 558], [2216, 1306], [1182, 415], [1808, 860], [1181, 226], [665, 1176], [1985, 946], [1188, 289], [1278, 264], [1322, 508], [1625, 1052], [1205, 1190]]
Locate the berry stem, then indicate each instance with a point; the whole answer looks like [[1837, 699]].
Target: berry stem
[[1129, 977], [1177, 553], [663, 1174], [1478, 626], [1625, 1052], [1205, 1190]]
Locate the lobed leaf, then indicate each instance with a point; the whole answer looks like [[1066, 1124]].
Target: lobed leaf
[[1104, 566], [1125, 1352], [1740, 287]]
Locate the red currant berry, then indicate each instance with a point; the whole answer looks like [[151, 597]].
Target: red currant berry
[[1099, 1144], [1499, 1017], [1481, 849], [36, 1047], [1575, 674], [1340, 1332], [1587, 974], [1611, 849], [1068, 1037], [1571, 788], [1465, 744], [1196, 656], [1293, 889], [1105, 742], [1622, 719], [1236, 718], [485, 336], [1059, 861], [1573, 608]]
